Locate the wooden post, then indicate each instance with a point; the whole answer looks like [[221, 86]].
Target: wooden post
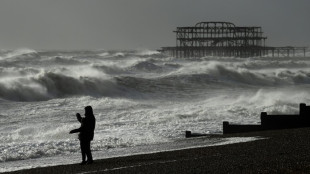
[[302, 109], [188, 134], [225, 127], [263, 117]]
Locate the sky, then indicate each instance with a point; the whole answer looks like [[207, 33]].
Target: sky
[[146, 24]]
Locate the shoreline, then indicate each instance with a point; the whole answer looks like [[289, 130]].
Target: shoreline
[[282, 151], [173, 145]]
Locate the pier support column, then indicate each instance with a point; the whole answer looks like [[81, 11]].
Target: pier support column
[[288, 53]]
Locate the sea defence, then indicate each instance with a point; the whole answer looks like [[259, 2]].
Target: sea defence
[[273, 122]]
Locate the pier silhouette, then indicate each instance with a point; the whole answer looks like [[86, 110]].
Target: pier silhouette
[[225, 39]]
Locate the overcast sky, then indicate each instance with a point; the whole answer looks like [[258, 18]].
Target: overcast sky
[[135, 24]]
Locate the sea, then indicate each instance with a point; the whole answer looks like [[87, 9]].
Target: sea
[[143, 100]]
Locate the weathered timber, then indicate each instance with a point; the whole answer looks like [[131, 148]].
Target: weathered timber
[[189, 134], [271, 122]]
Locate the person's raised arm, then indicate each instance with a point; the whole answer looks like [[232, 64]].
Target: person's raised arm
[[79, 118], [75, 131]]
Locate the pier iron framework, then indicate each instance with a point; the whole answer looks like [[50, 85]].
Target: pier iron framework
[[224, 39]]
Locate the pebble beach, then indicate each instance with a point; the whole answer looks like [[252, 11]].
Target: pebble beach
[[278, 151]]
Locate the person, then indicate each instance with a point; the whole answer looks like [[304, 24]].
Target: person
[[86, 134]]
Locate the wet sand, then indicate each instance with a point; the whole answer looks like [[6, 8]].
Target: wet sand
[[282, 151]]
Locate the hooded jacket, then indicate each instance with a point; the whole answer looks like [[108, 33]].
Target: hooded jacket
[[87, 128]]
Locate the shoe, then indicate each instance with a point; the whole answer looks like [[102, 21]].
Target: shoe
[[83, 163], [90, 162]]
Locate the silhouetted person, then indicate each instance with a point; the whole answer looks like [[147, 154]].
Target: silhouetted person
[[86, 134]]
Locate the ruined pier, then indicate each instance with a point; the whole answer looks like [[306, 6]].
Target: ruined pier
[[224, 39]]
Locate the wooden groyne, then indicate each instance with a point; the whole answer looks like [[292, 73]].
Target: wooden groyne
[[189, 134], [225, 39], [271, 122]]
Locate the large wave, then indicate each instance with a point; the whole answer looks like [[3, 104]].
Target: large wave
[[28, 75], [214, 73], [22, 52], [48, 85]]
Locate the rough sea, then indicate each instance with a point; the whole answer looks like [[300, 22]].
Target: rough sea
[[143, 101]]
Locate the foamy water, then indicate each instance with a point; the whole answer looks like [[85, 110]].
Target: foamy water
[[139, 97]]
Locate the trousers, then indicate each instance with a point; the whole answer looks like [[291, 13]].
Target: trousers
[[85, 150]]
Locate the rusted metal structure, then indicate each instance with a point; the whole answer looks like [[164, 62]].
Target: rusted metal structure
[[224, 39]]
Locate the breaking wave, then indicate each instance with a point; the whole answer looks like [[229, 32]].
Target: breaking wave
[[25, 52], [27, 75], [49, 85]]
